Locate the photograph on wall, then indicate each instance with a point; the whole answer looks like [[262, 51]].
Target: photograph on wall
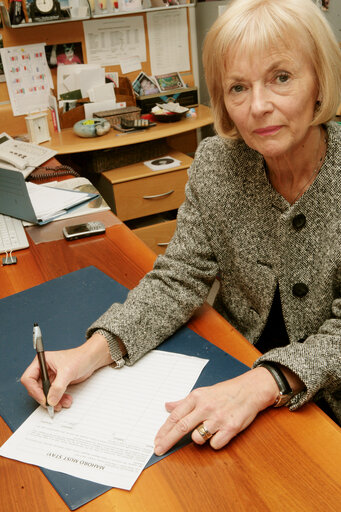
[[144, 85], [64, 54], [169, 81], [2, 72]]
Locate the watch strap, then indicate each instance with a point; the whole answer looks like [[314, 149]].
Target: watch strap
[[285, 391]]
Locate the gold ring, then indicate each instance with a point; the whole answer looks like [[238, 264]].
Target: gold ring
[[202, 430]]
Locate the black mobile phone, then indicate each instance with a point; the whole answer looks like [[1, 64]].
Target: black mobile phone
[[83, 230]]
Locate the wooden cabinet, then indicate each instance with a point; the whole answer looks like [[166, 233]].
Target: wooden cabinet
[[138, 194], [135, 192], [158, 235]]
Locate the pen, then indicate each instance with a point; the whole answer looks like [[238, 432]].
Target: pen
[[38, 345]]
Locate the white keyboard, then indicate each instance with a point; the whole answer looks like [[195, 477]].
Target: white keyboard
[[12, 234]]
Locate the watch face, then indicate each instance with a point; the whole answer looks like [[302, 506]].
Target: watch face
[[44, 6]]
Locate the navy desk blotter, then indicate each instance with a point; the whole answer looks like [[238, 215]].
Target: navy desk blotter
[[64, 308]]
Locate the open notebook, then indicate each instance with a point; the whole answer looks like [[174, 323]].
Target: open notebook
[[36, 203]]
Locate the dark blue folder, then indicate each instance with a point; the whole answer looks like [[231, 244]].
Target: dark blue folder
[[64, 308]]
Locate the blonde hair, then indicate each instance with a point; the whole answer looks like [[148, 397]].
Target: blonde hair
[[256, 25]]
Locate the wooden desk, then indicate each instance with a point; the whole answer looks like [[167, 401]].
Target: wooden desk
[[284, 462], [67, 142]]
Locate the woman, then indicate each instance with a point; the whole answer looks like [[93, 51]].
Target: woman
[[262, 209]]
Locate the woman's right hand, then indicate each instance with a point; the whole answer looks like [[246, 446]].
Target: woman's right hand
[[66, 367]]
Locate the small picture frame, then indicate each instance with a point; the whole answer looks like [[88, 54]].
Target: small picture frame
[[64, 54], [169, 81], [144, 85]]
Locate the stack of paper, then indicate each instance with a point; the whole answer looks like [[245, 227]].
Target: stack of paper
[[86, 81], [35, 203], [79, 77], [49, 203], [96, 205]]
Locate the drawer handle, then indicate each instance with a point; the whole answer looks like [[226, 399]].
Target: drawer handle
[[163, 244], [159, 195]]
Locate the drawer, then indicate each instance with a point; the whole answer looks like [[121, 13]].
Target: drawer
[[136, 191], [150, 195], [157, 236]]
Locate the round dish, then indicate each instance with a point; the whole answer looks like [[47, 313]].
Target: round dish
[[169, 118]]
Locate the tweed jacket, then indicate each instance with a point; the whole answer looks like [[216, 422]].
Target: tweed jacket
[[235, 224]]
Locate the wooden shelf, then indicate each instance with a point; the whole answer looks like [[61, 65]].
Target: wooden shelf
[[91, 16], [67, 142], [148, 9]]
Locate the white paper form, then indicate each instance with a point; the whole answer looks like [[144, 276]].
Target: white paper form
[[168, 41], [107, 435], [109, 41], [130, 64], [28, 77]]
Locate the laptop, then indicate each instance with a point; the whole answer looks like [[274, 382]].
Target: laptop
[[15, 200]]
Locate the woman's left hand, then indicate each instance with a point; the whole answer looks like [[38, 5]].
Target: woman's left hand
[[225, 409]]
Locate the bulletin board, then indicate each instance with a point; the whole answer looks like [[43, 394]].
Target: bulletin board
[[73, 32]]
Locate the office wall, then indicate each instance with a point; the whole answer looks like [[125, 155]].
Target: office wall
[[333, 15], [205, 15]]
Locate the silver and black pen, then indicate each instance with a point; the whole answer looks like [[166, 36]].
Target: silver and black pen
[[39, 347]]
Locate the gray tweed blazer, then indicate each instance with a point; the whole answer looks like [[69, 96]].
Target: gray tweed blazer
[[234, 223]]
